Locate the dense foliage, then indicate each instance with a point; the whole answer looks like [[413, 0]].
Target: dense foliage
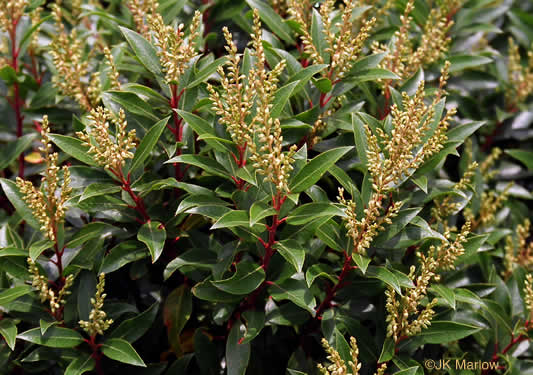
[[265, 187]]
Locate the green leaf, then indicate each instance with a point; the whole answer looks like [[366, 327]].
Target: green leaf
[[11, 294], [399, 222], [385, 275], [44, 325], [387, 352], [55, 337], [207, 164], [313, 171], [88, 232], [255, 321], [305, 75], [461, 132], [8, 330], [206, 72], [440, 332], [38, 247], [153, 235], [281, 97], [373, 74], [147, 144], [133, 329], [122, 254], [311, 211], [272, 20], [198, 258], [97, 189], [14, 195], [121, 350], [74, 148], [13, 149], [131, 103], [260, 210], [292, 252], [143, 50], [361, 261], [319, 270], [462, 62], [295, 291], [237, 351], [80, 365], [176, 313], [232, 218], [324, 85], [245, 280], [205, 130], [446, 293], [525, 157], [207, 291]]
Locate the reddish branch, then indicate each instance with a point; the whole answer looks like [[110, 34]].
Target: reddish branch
[[177, 129], [126, 186], [249, 302], [332, 291], [96, 354], [514, 341], [241, 163], [17, 102]]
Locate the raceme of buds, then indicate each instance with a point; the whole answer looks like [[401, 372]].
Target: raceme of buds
[[40, 282], [489, 163], [343, 46], [405, 148], [97, 323], [175, 51], [362, 231], [519, 253], [402, 59], [108, 150], [266, 149], [10, 13], [520, 77], [113, 72], [47, 206], [446, 206], [405, 316], [491, 202], [236, 97], [338, 365], [528, 292], [140, 10], [67, 56]]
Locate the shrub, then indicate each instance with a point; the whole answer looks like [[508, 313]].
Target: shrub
[[266, 187]]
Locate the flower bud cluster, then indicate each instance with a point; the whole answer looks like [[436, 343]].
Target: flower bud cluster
[[97, 323], [402, 59], [10, 12], [234, 101], [405, 316], [47, 206], [140, 10], [528, 295], [519, 253], [362, 231], [338, 365], [491, 202], [175, 52], [109, 150], [344, 44], [72, 69], [520, 77], [405, 148], [40, 282]]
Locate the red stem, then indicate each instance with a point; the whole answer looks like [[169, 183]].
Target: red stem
[[17, 102], [327, 302], [126, 186], [96, 354], [178, 127]]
